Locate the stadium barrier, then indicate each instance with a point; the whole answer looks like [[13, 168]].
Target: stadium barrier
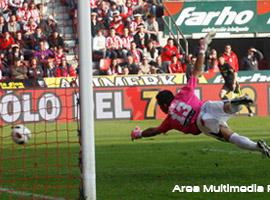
[[116, 97]]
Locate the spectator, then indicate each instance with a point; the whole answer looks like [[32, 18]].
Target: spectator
[[55, 41], [37, 37], [199, 47], [251, 61], [152, 27], [6, 41], [168, 51], [134, 2], [18, 70], [23, 44], [5, 68], [13, 26], [231, 58], [140, 6], [157, 65], [99, 46], [175, 66], [115, 68], [65, 69], [130, 65], [103, 13], [112, 10], [2, 24], [14, 54], [30, 27], [35, 70], [93, 3], [133, 25], [34, 12], [114, 45], [52, 25], [59, 56], [156, 8], [14, 5], [135, 53], [95, 24], [23, 13], [42, 9], [127, 11], [150, 52], [212, 62], [117, 23], [4, 9], [141, 38], [145, 68], [126, 42], [42, 54], [44, 25], [50, 68]]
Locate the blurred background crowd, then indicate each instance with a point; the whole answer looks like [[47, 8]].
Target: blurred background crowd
[[127, 38], [31, 46]]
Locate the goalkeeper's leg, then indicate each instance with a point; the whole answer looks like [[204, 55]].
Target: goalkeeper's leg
[[244, 142]]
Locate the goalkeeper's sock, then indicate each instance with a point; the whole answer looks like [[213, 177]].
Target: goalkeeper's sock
[[243, 142]]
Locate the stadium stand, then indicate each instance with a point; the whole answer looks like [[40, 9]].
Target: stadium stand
[[46, 31], [35, 31]]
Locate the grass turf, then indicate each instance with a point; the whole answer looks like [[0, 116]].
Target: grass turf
[[144, 169], [150, 168]]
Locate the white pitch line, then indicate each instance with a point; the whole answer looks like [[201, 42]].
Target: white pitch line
[[28, 194]]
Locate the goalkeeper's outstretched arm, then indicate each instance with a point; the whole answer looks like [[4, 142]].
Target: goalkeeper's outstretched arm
[[199, 65], [150, 132]]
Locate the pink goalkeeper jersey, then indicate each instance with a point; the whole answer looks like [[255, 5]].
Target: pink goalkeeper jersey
[[184, 110]]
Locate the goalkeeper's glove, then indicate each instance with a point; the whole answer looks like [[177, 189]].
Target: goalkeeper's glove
[[136, 133]]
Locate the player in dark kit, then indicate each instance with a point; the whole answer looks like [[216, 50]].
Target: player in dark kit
[[229, 76], [231, 84]]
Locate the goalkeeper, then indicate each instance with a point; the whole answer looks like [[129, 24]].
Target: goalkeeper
[[186, 113]]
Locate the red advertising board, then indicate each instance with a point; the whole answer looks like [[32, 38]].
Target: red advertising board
[[135, 103], [139, 103]]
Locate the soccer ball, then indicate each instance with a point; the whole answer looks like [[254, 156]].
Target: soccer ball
[[20, 134]]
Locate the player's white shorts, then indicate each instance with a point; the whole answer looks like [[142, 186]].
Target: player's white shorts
[[211, 117]]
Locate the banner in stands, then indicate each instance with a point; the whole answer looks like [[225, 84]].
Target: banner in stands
[[121, 81], [229, 16], [152, 80], [20, 84], [136, 103]]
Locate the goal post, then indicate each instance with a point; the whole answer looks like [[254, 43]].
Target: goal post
[[86, 102]]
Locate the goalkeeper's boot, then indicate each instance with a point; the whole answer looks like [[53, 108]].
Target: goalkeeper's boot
[[244, 100], [265, 149]]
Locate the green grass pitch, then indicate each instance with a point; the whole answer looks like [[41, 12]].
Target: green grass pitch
[[140, 170]]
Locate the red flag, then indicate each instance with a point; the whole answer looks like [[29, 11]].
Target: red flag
[[263, 7], [172, 7]]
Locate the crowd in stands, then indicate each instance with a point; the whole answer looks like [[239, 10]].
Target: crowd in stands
[[126, 40], [30, 43]]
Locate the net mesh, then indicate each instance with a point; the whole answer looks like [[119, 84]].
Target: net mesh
[[46, 167]]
